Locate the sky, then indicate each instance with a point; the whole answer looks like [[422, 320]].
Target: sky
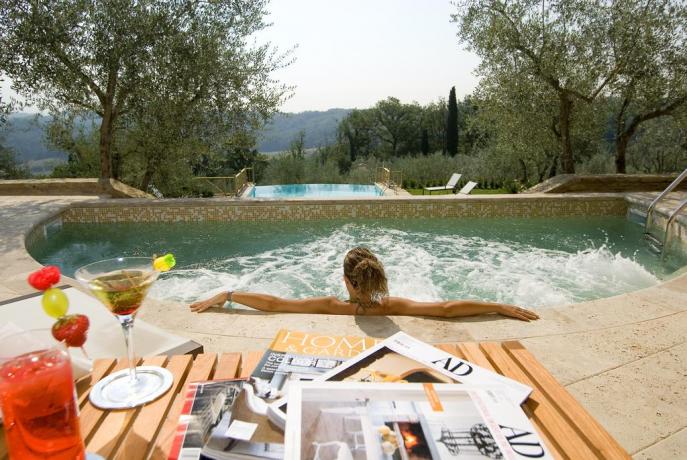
[[352, 53]]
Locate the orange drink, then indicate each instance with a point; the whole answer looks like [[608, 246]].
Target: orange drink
[[40, 415]]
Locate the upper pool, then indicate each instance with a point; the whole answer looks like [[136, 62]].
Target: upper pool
[[314, 190], [527, 261]]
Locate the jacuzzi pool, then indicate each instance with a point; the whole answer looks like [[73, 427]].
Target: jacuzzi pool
[[315, 191], [527, 261]]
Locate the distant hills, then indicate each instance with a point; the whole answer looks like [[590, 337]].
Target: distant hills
[[25, 134], [319, 127]]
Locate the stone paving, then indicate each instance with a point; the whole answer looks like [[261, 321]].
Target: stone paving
[[624, 358]]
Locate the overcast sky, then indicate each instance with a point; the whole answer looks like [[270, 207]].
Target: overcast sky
[[352, 53]]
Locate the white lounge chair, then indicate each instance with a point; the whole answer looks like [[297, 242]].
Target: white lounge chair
[[450, 185], [467, 188]]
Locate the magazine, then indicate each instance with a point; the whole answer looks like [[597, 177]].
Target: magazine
[[343, 420], [404, 358], [246, 434], [224, 420], [295, 355], [205, 404]]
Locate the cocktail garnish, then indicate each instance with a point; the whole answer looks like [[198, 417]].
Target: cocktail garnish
[[45, 278], [164, 263], [70, 329]]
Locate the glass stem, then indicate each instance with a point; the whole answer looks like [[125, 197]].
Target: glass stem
[[127, 323]]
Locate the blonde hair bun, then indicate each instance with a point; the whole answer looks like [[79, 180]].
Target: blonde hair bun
[[366, 274]]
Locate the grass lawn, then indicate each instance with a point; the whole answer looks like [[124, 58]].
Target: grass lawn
[[477, 191]]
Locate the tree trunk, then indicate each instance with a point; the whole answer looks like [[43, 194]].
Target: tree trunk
[[553, 167], [620, 149], [106, 125], [622, 140], [525, 176], [148, 175], [116, 161], [352, 148], [567, 161]]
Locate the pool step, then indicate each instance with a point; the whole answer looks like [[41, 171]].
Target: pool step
[[655, 245]]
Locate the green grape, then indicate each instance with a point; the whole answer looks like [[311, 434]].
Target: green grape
[[55, 303]]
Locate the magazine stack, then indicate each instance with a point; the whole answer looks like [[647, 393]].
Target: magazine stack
[[320, 397]]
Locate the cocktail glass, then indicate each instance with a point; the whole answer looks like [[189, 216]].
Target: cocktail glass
[[121, 285], [37, 398]]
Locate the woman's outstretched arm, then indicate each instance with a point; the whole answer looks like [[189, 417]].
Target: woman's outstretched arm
[[455, 308], [265, 302]]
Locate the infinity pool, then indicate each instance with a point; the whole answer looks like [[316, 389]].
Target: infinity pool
[[315, 190], [533, 261]]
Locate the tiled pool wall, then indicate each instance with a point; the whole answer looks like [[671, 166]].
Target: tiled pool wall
[[285, 210], [196, 210]]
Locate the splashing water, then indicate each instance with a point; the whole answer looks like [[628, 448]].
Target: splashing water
[[536, 262], [421, 266]]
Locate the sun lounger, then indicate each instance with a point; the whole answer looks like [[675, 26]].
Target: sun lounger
[[467, 188], [450, 185], [105, 339]]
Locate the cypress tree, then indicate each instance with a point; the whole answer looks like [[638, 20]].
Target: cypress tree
[[424, 142], [452, 124]]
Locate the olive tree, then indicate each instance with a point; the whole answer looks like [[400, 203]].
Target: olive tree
[[652, 82], [120, 59], [560, 46]]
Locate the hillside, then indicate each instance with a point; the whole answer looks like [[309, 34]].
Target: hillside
[[319, 127], [25, 134]]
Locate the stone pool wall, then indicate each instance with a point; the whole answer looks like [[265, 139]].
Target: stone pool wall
[[105, 211]]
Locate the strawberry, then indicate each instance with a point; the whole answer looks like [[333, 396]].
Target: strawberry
[[45, 278], [71, 329]]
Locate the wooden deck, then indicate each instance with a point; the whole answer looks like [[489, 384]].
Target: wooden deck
[[569, 431]]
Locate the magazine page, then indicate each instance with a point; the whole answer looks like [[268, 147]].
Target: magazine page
[[244, 433], [341, 420], [404, 358], [295, 355], [205, 405]]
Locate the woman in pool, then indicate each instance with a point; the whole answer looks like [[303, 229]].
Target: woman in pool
[[368, 295]]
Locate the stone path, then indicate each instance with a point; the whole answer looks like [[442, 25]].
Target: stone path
[[624, 358]]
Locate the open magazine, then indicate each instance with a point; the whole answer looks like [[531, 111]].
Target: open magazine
[[295, 355], [224, 420], [404, 358], [343, 420]]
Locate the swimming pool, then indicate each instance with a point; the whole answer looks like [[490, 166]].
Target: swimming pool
[[314, 190], [528, 261]]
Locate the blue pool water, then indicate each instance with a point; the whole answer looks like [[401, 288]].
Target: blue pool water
[[527, 261], [314, 190]]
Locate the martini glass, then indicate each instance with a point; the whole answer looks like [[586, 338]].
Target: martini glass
[[121, 285]]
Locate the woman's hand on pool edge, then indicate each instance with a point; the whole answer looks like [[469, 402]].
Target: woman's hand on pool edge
[[214, 301], [516, 312]]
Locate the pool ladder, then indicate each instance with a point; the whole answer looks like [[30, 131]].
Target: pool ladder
[[656, 244]]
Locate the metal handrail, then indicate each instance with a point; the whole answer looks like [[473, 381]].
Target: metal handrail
[[669, 189], [240, 181], [392, 180], [671, 218]]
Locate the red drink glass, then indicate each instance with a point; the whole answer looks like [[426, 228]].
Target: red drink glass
[[40, 415]]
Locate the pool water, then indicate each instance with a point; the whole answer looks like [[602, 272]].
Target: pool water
[[315, 190], [533, 261]]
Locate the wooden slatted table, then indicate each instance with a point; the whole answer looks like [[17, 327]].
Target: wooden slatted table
[[147, 432]]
